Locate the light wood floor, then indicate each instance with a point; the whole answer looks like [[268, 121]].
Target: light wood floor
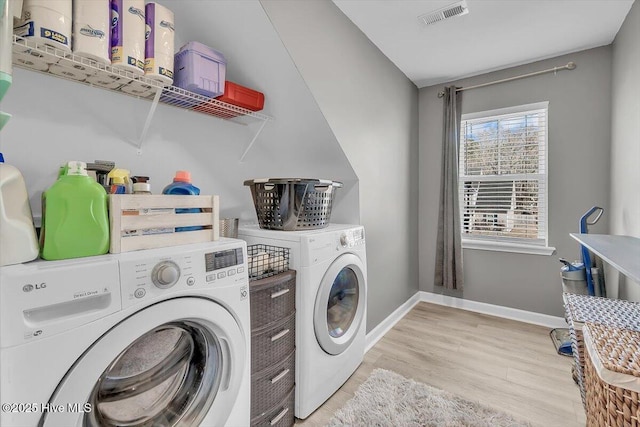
[[501, 363]]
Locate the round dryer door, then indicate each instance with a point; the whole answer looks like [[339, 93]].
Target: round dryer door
[[340, 303], [156, 368]]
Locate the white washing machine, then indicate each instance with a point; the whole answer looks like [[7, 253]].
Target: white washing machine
[[155, 337], [331, 296]]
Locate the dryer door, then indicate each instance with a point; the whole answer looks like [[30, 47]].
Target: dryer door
[[158, 367], [340, 304]]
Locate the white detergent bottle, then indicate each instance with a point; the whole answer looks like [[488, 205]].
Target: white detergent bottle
[[18, 241]]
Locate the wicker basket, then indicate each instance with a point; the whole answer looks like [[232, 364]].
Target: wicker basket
[[266, 260], [292, 203], [612, 376], [580, 309]]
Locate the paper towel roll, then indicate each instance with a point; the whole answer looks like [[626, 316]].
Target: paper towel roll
[[46, 22], [83, 68], [127, 35], [49, 59], [139, 89], [20, 48], [55, 5], [6, 35], [33, 62], [106, 80], [15, 8], [277, 263], [160, 69], [159, 44], [92, 30], [69, 73], [258, 264]]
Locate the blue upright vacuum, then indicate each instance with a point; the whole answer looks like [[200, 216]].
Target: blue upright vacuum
[[595, 287], [575, 277]]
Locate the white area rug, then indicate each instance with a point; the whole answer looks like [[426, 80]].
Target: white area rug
[[388, 399]]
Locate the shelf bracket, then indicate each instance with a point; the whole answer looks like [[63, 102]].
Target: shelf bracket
[[147, 123], [264, 122]]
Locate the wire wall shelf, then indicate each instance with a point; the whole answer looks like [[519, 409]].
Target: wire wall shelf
[[45, 59]]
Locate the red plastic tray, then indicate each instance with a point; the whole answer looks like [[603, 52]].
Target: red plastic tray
[[241, 96]]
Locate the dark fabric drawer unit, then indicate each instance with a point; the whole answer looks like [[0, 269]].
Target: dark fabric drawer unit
[[272, 298], [280, 415], [272, 344], [273, 385]]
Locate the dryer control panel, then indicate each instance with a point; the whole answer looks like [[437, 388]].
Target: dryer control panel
[[351, 238], [325, 246], [155, 273]]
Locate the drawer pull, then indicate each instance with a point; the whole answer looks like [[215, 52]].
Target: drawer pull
[[280, 293], [279, 416], [279, 335], [280, 376]]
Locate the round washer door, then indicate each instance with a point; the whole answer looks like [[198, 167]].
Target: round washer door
[[340, 304], [156, 367]]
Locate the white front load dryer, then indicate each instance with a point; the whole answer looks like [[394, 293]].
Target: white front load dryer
[[331, 296], [150, 338]]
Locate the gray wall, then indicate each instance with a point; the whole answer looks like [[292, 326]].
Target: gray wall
[[372, 109], [353, 118], [579, 152], [625, 143], [55, 120]]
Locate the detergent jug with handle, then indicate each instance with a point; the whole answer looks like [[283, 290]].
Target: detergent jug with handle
[[18, 241], [182, 185], [75, 220]]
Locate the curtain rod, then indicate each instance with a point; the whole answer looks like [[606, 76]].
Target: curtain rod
[[569, 66]]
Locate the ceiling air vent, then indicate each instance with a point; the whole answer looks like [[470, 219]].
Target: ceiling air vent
[[456, 9]]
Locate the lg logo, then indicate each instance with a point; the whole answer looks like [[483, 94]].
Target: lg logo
[[29, 287]]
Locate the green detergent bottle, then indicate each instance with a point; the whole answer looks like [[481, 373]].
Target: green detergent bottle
[[75, 220]]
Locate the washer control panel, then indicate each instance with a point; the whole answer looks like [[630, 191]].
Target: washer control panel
[[144, 276], [165, 274]]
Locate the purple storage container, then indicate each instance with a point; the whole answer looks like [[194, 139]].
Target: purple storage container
[[200, 69]]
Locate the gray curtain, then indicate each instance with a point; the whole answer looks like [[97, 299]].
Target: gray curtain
[[448, 272]]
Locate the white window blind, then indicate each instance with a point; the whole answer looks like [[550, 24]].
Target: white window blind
[[503, 175]]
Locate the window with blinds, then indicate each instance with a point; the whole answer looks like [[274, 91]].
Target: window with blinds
[[503, 175]]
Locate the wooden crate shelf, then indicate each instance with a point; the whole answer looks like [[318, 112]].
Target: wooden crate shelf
[[150, 221]]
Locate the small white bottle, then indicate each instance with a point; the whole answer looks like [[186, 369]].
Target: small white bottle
[[141, 188], [18, 241]]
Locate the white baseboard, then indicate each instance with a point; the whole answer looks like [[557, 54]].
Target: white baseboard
[[479, 307], [495, 310], [383, 327]]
